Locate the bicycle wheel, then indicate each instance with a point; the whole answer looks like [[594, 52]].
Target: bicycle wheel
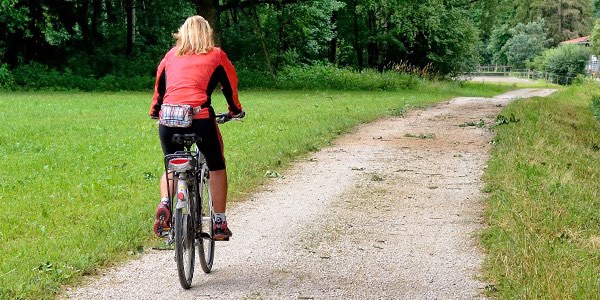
[[184, 248], [206, 247]]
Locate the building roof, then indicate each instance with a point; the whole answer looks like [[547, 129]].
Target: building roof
[[580, 40]]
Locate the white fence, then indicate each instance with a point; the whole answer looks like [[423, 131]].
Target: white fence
[[521, 73]]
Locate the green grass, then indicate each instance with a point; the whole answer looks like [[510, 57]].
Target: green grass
[[79, 171], [543, 239]]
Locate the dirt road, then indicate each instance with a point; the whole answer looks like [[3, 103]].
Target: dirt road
[[390, 211]]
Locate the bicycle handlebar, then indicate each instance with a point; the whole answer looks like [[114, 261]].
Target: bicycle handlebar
[[225, 117]]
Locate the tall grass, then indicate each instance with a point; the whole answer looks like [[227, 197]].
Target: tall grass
[[79, 171], [595, 106], [543, 240]]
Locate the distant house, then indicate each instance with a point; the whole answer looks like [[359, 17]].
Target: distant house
[[592, 66], [584, 40]]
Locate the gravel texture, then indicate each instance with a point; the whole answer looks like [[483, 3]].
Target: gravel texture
[[508, 79], [389, 211]]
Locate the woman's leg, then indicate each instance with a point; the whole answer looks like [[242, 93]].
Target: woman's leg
[[164, 191], [218, 190]]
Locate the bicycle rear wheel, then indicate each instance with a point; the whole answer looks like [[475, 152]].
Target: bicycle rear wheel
[[206, 247], [184, 248]]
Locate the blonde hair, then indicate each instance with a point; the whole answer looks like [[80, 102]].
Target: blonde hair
[[194, 37]]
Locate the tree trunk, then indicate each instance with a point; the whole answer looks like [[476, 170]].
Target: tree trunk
[[111, 16], [283, 40], [96, 11], [372, 47], [130, 12], [256, 22], [209, 10], [82, 21], [333, 42], [560, 20], [357, 42]]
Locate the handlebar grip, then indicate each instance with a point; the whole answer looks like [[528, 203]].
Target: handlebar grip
[[222, 118]]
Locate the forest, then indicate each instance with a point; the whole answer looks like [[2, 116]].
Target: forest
[[58, 43]]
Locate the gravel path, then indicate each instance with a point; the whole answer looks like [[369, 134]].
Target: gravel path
[[390, 211], [496, 79]]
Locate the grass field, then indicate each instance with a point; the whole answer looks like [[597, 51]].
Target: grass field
[[543, 240], [79, 171]]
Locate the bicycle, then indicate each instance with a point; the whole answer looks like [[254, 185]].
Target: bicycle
[[192, 224]]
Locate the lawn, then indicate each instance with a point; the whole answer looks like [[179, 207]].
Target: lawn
[[543, 239], [79, 171]]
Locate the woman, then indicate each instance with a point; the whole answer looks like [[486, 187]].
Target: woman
[[187, 75]]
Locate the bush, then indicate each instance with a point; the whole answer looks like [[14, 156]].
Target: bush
[[253, 79], [6, 78], [330, 77], [39, 77], [566, 62], [36, 76], [325, 77]]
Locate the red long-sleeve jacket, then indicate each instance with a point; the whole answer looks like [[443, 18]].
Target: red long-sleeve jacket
[[191, 79]]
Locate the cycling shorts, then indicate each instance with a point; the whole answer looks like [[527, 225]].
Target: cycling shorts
[[211, 143]]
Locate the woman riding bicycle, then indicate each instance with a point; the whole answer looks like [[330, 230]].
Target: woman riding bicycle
[[187, 76]]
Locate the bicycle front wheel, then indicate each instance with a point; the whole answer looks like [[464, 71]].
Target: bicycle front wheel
[[206, 247], [184, 248]]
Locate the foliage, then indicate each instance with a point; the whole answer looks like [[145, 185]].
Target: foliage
[[499, 38], [36, 76], [566, 61], [92, 38], [595, 39], [518, 45], [489, 14], [6, 78], [330, 77], [565, 19], [88, 38], [542, 240], [526, 42], [39, 77], [417, 32]]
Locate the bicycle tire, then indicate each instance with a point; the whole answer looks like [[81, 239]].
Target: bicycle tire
[[184, 248], [206, 245]]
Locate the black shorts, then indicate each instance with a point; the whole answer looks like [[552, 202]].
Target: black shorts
[[211, 143]]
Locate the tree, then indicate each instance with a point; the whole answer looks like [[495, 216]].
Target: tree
[[595, 39], [499, 38], [518, 45], [94, 38], [526, 42], [565, 19], [380, 34]]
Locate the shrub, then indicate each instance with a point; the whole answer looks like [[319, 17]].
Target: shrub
[[566, 62], [6, 78], [39, 77], [330, 77]]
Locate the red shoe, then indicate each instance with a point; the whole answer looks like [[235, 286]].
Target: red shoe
[[163, 219], [221, 232]]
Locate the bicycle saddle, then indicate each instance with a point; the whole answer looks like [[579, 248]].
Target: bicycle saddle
[[186, 139]]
